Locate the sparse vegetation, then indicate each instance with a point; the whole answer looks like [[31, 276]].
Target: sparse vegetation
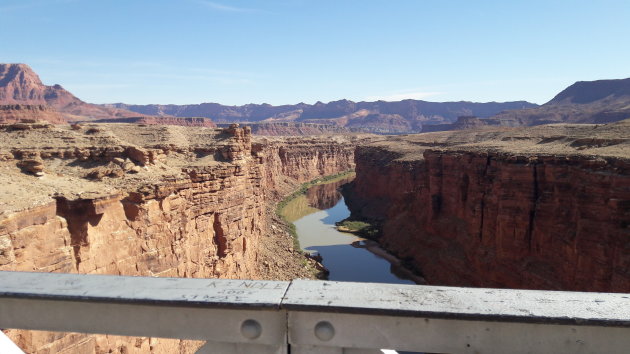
[[358, 227], [353, 226]]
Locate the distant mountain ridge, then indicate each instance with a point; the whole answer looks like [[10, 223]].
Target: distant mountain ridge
[[23, 95], [601, 101], [405, 116], [598, 102]]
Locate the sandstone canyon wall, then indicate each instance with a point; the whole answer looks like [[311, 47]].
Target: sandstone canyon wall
[[150, 201], [541, 209]]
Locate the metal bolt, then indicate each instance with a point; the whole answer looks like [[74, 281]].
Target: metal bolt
[[251, 329], [324, 331]]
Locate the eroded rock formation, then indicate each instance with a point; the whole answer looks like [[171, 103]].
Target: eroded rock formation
[[13, 113], [175, 201], [542, 208], [23, 95]]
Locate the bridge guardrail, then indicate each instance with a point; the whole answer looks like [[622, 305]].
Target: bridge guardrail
[[247, 316]]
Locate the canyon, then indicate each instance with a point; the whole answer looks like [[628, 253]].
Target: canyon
[[155, 201], [550, 204], [160, 190], [546, 207]]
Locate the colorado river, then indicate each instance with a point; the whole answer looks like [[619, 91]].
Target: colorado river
[[344, 255]]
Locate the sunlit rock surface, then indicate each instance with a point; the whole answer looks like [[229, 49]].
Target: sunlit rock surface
[[152, 201]]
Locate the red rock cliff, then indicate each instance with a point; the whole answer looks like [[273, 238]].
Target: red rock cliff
[[197, 210], [480, 216], [12, 113], [23, 95]]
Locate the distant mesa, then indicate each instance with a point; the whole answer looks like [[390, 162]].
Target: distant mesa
[[23, 95], [586, 92], [599, 102]]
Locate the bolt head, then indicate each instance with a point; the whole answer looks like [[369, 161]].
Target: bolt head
[[251, 329], [324, 331]]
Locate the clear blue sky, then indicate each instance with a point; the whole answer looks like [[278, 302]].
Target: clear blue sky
[[288, 51]]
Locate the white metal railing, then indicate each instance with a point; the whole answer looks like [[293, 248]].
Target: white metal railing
[[245, 316]]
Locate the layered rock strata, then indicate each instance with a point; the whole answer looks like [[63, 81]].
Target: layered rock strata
[[297, 129], [183, 121], [148, 200], [295, 159], [14, 113], [542, 208]]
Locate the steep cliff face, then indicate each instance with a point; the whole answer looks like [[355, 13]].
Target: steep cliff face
[[12, 113], [290, 161], [19, 84], [480, 215], [163, 208]]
